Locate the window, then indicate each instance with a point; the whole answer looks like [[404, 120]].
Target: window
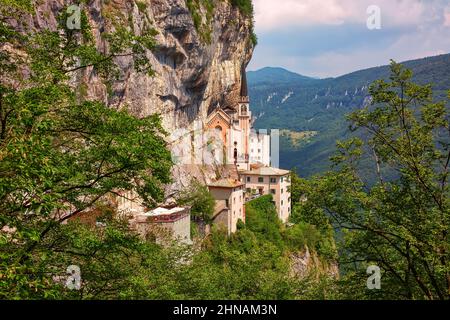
[[234, 200], [273, 180], [282, 202], [248, 179], [273, 191], [282, 191], [281, 179], [261, 179], [259, 150]]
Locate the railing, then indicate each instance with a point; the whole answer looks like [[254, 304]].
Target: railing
[[167, 218]]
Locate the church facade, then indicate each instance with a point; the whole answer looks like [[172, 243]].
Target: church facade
[[236, 143]]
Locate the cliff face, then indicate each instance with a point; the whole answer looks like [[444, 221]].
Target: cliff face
[[306, 263], [193, 74]]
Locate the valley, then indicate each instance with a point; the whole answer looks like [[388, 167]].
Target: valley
[[284, 100]]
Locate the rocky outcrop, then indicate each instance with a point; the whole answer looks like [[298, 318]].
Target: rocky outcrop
[[306, 263], [192, 76]]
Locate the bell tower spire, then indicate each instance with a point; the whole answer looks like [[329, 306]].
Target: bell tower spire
[[244, 86]]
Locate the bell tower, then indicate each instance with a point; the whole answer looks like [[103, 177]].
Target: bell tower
[[244, 119]]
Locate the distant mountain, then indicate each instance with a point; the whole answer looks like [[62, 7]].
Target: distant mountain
[[269, 75], [281, 99]]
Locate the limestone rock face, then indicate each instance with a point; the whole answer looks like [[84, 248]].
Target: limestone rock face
[[192, 75], [306, 263]]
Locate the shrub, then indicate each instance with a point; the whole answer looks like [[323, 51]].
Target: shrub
[[197, 196]]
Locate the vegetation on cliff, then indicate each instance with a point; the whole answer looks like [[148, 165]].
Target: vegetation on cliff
[[198, 198], [60, 154], [202, 12]]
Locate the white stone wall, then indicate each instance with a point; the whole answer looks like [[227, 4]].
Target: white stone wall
[[259, 148], [275, 185]]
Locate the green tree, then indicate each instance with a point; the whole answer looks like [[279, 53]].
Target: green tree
[[400, 224], [198, 197], [61, 155]]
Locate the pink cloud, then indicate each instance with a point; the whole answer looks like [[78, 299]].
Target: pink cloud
[[278, 14], [447, 17]]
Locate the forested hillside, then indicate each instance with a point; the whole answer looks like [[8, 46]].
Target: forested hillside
[[281, 99]]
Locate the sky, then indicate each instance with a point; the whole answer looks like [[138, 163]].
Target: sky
[[328, 38]]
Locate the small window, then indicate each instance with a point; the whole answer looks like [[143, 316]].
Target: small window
[[273, 191], [248, 179], [281, 179], [261, 179], [259, 150], [273, 180], [282, 191], [282, 202]]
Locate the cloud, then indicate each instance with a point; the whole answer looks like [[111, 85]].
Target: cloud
[[281, 14], [447, 17], [270, 15], [330, 37]]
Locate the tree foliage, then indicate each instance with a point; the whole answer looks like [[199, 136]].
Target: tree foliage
[[198, 197], [61, 155], [400, 224]]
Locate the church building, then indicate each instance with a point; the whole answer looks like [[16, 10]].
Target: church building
[[249, 151], [232, 125]]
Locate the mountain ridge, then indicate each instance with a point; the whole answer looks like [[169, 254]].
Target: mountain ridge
[[321, 105], [281, 74]]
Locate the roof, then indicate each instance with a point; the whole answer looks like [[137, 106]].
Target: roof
[[161, 215], [266, 171], [164, 211], [218, 112], [244, 88], [226, 183]]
